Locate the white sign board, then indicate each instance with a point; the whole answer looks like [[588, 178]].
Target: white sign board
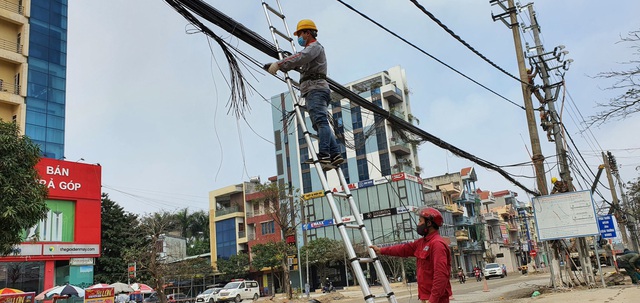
[[566, 215]]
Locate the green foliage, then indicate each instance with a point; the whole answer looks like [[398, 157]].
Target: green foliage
[[194, 227], [191, 268], [271, 254], [235, 267], [22, 197], [119, 233], [322, 251]]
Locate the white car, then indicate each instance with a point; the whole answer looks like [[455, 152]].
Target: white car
[[492, 270], [209, 296], [239, 290]]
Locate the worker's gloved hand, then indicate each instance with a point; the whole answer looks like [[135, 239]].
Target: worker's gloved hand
[[272, 68]]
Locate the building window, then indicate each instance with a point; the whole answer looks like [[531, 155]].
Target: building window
[[356, 117], [385, 166], [304, 155], [381, 137], [363, 169], [268, 228], [306, 182], [226, 238], [359, 142]]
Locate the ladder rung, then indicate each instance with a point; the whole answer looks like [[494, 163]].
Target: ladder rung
[[384, 295], [281, 34], [273, 10], [341, 195], [366, 260], [354, 226]]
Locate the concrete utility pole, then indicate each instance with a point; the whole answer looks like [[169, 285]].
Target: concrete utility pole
[[615, 209], [537, 157], [561, 152], [630, 220]]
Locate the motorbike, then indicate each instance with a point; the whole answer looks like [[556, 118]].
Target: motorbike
[[478, 276], [461, 278], [328, 287]]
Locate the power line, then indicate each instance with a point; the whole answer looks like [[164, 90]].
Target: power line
[[429, 55], [211, 14], [454, 35]]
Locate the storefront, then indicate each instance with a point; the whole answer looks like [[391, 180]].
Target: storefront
[[62, 247]]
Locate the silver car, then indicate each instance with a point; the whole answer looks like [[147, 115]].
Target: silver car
[[492, 270]]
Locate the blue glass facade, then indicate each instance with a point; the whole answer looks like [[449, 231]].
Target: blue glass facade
[[46, 83], [226, 245]]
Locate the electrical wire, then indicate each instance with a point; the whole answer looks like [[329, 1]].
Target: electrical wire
[[213, 15], [455, 36], [429, 55]]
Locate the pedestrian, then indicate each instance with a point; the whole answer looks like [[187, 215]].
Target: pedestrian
[[433, 267], [504, 269], [311, 62]]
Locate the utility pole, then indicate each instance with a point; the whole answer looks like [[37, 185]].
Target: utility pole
[[561, 152], [615, 208], [630, 220], [537, 158]]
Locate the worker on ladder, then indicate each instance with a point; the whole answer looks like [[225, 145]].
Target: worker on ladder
[[433, 268], [314, 88]]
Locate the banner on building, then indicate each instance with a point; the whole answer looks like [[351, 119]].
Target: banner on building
[[27, 297]]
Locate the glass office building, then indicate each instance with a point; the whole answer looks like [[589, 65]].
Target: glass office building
[[46, 83]]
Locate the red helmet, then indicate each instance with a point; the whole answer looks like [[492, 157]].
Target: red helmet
[[431, 214]]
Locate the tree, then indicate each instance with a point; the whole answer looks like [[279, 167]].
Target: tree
[[235, 267], [149, 258], [272, 255], [626, 85], [322, 251], [119, 233], [22, 197], [283, 208]]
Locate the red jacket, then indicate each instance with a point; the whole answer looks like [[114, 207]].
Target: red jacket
[[433, 266]]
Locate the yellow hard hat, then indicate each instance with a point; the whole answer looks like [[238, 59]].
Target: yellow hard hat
[[305, 24], [554, 180]]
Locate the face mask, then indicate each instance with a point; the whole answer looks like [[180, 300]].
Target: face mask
[[422, 229], [301, 41]]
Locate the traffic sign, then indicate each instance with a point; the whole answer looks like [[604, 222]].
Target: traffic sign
[[606, 226]]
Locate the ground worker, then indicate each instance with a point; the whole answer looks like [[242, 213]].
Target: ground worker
[[433, 267], [314, 88], [630, 261], [559, 186]]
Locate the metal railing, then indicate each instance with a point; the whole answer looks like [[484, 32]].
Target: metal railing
[[12, 7], [242, 234], [10, 46], [9, 88], [227, 210]]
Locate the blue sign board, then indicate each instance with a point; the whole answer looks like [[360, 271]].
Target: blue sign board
[[606, 227]]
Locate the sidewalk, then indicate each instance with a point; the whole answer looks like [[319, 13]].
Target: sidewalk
[[519, 292]]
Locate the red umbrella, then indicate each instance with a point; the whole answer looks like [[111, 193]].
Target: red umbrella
[[43, 294], [6, 291], [142, 288], [99, 285]]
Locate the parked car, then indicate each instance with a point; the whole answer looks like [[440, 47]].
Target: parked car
[[210, 295], [492, 270], [239, 290], [152, 298], [179, 298]]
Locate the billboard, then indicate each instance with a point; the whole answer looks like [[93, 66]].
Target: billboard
[[566, 215]]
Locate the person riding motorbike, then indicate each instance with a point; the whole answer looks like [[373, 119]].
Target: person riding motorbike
[[461, 277]]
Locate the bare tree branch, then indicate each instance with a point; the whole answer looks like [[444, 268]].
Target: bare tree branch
[[627, 102]]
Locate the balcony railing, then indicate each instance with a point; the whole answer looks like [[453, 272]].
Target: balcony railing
[[227, 210], [10, 46], [12, 7], [9, 88], [251, 236], [464, 221], [242, 234], [462, 235], [491, 216]]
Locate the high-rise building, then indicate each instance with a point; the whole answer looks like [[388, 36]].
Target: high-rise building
[[47, 75], [381, 166]]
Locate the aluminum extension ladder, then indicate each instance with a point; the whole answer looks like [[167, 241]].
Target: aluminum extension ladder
[[342, 227]]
